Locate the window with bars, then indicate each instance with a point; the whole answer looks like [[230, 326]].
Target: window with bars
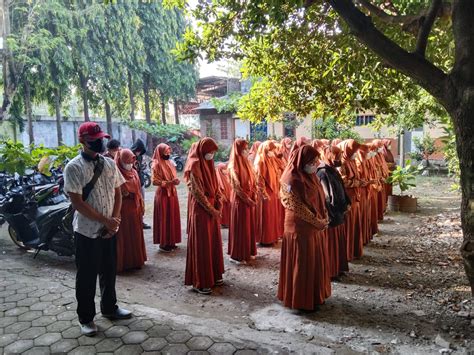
[[363, 120], [224, 133]]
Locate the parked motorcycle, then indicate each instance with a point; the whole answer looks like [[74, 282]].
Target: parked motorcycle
[[35, 227], [176, 160]]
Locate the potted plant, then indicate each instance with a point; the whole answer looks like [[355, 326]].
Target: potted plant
[[405, 179]]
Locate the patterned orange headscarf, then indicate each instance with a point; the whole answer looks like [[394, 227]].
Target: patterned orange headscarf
[[241, 168], [202, 169], [306, 186]]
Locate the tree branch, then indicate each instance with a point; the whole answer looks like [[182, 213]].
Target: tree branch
[[424, 73], [426, 25], [410, 23]]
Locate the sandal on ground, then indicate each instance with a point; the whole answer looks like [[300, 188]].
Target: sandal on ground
[[202, 291]]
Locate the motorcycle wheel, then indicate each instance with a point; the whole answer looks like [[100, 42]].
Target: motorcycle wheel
[[13, 235], [179, 166], [147, 181]]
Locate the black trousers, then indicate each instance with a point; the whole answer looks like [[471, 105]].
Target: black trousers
[[95, 257]]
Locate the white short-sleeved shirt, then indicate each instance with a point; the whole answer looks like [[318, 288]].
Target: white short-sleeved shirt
[[77, 174]]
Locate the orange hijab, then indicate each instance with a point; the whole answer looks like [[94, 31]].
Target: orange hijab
[[349, 147], [223, 180], [240, 167], [161, 168], [267, 166], [253, 151], [306, 186], [299, 143], [132, 181], [331, 153], [387, 153], [284, 149], [202, 169]]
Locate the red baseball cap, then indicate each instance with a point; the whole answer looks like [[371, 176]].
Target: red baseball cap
[[91, 131]]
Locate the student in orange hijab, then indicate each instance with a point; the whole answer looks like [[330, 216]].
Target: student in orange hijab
[[350, 176], [131, 251], [374, 188], [166, 215], [364, 175], [253, 151], [390, 160], [204, 260], [268, 183], [299, 143], [242, 243], [384, 172], [225, 189], [304, 280], [337, 204], [286, 144]]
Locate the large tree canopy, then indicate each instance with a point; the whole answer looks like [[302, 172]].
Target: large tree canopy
[[337, 56]]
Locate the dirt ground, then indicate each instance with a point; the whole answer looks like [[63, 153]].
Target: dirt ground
[[407, 294]]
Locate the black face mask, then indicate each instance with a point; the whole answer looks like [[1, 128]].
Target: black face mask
[[96, 146], [337, 163], [166, 157]]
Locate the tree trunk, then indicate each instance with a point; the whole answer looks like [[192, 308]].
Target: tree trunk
[[176, 113], [7, 85], [463, 122], [108, 117], [28, 111], [83, 83], [163, 109], [132, 103], [146, 99], [57, 106]]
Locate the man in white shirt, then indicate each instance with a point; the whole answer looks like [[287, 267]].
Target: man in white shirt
[[96, 222]]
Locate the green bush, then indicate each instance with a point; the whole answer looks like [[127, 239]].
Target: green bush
[[223, 154], [170, 132], [16, 158]]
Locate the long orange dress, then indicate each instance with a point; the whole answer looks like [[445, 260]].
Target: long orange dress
[[352, 183], [131, 250], [304, 281], [266, 168], [242, 242], [166, 214], [281, 163], [225, 189], [285, 148], [204, 260]]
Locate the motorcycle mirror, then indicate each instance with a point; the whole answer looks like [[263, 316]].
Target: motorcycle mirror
[[29, 172]]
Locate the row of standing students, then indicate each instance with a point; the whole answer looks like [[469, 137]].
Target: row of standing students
[[323, 198]]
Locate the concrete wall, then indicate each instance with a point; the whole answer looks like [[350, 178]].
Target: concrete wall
[[45, 132]]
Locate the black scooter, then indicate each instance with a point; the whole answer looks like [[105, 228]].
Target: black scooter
[[33, 227]]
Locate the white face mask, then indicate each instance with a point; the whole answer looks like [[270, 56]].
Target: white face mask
[[127, 166], [372, 154], [354, 156], [380, 150], [288, 146], [245, 153], [310, 168], [209, 156], [389, 147]]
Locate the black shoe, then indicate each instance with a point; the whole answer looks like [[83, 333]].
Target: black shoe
[[165, 249], [146, 226], [119, 313]]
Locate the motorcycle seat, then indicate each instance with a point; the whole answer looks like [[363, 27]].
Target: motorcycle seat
[[43, 210]]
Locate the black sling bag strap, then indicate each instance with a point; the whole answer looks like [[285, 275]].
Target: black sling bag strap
[[86, 190], [99, 166]]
